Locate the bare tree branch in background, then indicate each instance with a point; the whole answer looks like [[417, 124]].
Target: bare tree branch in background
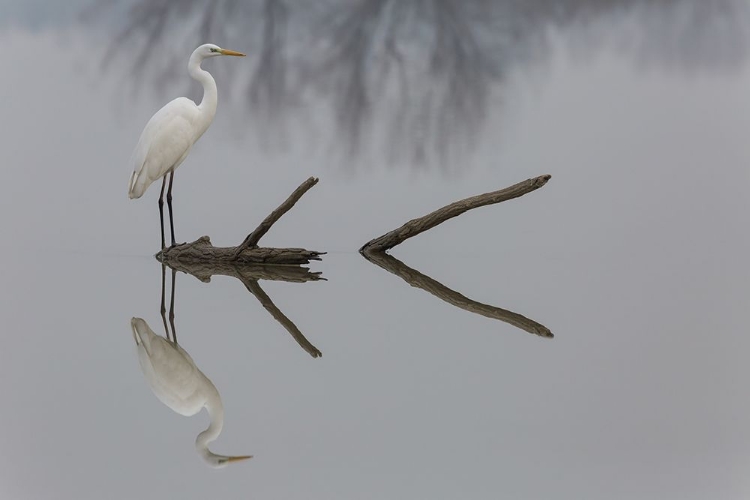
[[410, 80], [269, 87], [344, 69]]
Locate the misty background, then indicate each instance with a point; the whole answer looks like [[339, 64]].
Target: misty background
[[409, 82], [633, 254]]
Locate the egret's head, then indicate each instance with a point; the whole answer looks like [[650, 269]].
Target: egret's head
[[211, 50], [219, 461]]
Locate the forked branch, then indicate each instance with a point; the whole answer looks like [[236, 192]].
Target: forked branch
[[247, 252], [253, 238]]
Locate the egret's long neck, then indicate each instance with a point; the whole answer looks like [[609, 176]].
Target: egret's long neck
[[216, 414], [207, 107]]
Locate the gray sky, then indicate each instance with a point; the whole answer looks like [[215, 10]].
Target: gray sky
[[633, 255]]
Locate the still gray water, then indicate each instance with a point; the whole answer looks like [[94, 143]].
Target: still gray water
[[633, 255]]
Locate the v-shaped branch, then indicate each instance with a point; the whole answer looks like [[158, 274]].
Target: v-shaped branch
[[375, 252]]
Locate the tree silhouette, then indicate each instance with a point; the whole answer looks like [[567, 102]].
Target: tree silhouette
[[415, 78]]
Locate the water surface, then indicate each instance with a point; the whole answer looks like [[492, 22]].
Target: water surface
[[633, 256]]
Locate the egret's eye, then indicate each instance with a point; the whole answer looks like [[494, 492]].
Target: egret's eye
[[214, 50]]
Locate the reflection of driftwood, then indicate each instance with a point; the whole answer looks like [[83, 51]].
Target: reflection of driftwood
[[203, 271], [419, 280], [202, 251], [422, 224], [254, 288], [249, 274]]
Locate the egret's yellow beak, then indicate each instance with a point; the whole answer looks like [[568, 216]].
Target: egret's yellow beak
[[237, 459], [227, 52]]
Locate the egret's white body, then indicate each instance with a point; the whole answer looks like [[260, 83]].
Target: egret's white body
[[167, 139], [170, 134], [178, 383]]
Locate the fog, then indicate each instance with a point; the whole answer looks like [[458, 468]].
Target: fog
[[632, 255]]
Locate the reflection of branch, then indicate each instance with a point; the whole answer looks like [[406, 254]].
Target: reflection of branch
[[254, 288], [249, 276], [419, 280], [422, 224], [204, 270], [202, 251]]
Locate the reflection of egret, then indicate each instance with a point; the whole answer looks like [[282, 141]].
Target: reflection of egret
[[171, 132], [180, 385]]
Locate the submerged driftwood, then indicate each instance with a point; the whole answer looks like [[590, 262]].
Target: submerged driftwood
[[202, 251]]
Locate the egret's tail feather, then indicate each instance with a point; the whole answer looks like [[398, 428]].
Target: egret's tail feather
[[131, 185], [137, 324], [136, 335]]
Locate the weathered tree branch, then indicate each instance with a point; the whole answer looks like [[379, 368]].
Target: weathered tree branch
[[249, 274], [253, 238], [419, 280], [202, 251], [422, 224], [247, 252]]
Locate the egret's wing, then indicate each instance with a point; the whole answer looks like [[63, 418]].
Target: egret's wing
[[174, 379], [164, 143], [169, 370]]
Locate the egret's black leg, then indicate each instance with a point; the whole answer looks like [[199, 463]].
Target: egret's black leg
[[169, 203], [163, 308], [171, 309], [161, 211]]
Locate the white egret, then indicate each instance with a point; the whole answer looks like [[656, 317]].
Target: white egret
[[178, 383], [170, 134]]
